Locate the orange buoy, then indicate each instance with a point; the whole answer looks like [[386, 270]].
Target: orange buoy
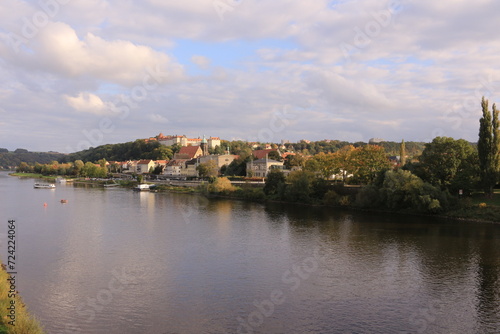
[[44, 204]]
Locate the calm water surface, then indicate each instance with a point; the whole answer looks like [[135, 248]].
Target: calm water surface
[[116, 261]]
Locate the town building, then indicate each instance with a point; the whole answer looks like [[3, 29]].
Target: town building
[[212, 142], [174, 167], [189, 152], [261, 167], [189, 168], [220, 160], [261, 154], [144, 166]]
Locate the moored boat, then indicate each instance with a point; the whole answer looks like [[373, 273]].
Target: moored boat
[[44, 186], [142, 187]]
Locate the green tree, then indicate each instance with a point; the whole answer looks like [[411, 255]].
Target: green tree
[[401, 190], [402, 153], [444, 159], [102, 162], [275, 183], [88, 169], [487, 151], [78, 166], [367, 162], [325, 165], [175, 148], [294, 160], [38, 168], [495, 149], [24, 168], [207, 169], [238, 167], [158, 170], [162, 153], [274, 155], [300, 186]]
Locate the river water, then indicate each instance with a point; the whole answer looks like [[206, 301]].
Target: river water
[[117, 261]]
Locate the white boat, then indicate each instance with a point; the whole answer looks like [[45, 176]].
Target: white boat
[[142, 187], [44, 186], [61, 180]]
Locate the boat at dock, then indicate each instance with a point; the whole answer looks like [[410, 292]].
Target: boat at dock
[[44, 186], [111, 185], [142, 187]]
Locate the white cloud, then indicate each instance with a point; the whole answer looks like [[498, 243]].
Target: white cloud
[[202, 61], [420, 74], [59, 49], [156, 118], [89, 103]]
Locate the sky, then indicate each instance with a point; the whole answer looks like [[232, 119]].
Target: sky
[[82, 73]]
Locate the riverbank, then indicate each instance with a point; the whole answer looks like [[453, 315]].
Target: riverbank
[[473, 209], [14, 316], [476, 208], [34, 176]]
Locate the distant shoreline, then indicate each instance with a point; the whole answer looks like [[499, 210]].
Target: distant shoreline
[[463, 214]]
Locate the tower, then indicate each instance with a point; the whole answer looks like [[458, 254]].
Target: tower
[[204, 146]]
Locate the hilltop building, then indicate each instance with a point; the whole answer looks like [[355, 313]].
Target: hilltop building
[[376, 140], [212, 142]]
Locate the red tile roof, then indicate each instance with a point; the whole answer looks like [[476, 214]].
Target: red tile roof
[[190, 151], [261, 154]]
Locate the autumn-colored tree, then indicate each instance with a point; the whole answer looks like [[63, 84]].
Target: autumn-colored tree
[[221, 185], [367, 162], [343, 157], [207, 169], [325, 165]]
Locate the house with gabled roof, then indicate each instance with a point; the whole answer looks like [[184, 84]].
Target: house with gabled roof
[[143, 166], [189, 152], [189, 168], [261, 167], [261, 154]]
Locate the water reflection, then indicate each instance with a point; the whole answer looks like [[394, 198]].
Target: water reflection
[[199, 265]]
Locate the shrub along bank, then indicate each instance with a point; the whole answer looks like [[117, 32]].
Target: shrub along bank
[[14, 317], [392, 191]]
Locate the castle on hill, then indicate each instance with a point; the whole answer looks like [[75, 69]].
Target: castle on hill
[[212, 142]]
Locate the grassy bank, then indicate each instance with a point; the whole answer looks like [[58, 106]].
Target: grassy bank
[[478, 207], [175, 189], [34, 176], [24, 322], [474, 208]]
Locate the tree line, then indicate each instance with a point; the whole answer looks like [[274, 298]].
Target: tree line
[[137, 150], [11, 159], [432, 182], [77, 168]]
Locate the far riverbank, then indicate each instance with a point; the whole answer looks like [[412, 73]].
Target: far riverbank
[[475, 208]]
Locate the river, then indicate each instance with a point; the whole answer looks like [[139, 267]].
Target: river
[[117, 261]]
